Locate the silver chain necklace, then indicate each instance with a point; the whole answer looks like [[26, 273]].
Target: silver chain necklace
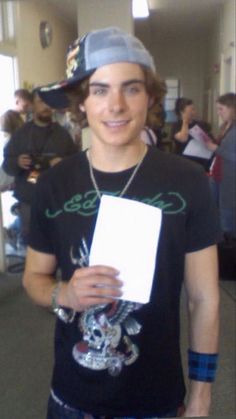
[[94, 182]]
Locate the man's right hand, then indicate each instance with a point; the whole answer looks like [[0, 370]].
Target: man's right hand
[[90, 286], [24, 161]]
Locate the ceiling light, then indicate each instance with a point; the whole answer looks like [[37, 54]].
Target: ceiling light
[[140, 8]]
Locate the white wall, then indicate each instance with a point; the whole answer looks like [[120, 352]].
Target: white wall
[[96, 14], [220, 59], [182, 58], [37, 65], [228, 51]]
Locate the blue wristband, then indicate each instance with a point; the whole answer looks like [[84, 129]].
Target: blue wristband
[[202, 367]]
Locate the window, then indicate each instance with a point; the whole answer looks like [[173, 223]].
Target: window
[[8, 82], [7, 21], [173, 92]]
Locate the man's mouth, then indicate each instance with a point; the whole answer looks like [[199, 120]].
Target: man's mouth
[[116, 124]]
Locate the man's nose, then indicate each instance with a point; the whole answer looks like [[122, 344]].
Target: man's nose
[[117, 101]]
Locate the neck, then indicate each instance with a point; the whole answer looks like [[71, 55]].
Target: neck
[[40, 123], [116, 159]]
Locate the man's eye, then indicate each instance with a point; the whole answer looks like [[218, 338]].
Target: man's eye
[[98, 91], [132, 89]]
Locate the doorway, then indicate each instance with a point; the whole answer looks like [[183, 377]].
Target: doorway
[[7, 88]]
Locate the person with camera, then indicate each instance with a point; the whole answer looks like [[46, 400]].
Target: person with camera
[[32, 149]]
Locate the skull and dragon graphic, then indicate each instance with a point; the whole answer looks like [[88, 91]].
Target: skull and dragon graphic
[[106, 330]]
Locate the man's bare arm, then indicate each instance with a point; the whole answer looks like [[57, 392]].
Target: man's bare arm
[[87, 286], [201, 283]]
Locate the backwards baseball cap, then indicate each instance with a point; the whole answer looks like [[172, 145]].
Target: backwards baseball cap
[[94, 50]]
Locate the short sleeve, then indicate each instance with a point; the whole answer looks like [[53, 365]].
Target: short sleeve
[[40, 227], [202, 225]]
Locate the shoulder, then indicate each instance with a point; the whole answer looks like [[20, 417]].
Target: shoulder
[[230, 134], [232, 129], [10, 113], [59, 128], [173, 164], [69, 168], [175, 172], [23, 131]]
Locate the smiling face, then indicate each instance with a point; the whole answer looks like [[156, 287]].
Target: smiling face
[[117, 104], [226, 113]]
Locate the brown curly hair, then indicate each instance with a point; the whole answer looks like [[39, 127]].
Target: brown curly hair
[[155, 87]]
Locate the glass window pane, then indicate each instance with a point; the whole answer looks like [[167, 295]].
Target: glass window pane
[[1, 23], [10, 20], [172, 82], [7, 21], [173, 92], [170, 104]]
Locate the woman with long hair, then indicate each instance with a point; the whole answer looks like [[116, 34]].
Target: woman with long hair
[[223, 170]]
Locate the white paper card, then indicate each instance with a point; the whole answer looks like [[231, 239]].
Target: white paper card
[[126, 237], [199, 134], [196, 147]]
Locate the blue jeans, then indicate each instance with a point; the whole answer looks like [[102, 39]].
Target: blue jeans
[[57, 411]]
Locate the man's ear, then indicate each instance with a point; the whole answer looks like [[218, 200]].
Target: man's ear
[[150, 102], [82, 108]]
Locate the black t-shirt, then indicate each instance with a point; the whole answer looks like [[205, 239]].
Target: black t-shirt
[[142, 341]]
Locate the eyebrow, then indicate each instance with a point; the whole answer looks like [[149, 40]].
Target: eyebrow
[[123, 84]]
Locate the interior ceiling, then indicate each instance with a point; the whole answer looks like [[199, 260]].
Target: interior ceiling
[[166, 16]]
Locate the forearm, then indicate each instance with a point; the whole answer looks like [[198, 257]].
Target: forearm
[[182, 135], [39, 287], [201, 281], [88, 286], [204, 325], [199, 399], [203, 339]]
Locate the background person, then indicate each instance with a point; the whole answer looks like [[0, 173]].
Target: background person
[[36, 146], [180, 135], [104, 346], [223, 170], [21, 111]]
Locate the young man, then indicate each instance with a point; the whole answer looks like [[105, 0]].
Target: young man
[[112, 357]]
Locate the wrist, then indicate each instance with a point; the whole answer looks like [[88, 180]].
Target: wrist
[[199, 399], [202, 366], [66, 315], [61, 295]]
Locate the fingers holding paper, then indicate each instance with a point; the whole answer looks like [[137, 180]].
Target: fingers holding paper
[[90, 286]]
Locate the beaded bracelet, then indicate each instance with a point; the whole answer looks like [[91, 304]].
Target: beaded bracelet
[[202, 367]]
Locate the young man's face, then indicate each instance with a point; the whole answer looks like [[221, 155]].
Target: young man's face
[[117, 104]]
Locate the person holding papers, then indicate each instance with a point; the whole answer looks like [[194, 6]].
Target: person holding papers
[[223, 169], [189, 133], [117, 338]]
